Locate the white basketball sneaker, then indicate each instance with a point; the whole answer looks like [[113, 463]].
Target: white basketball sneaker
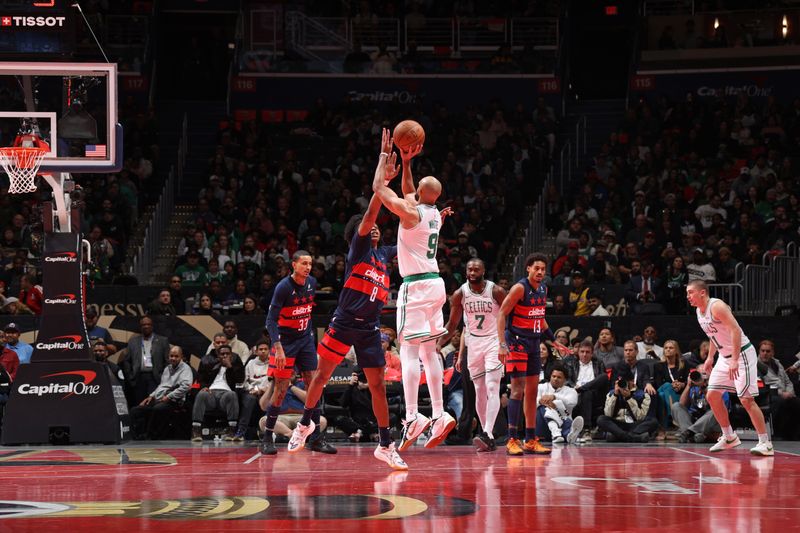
[[726, 443], [440, 429], [388, 454], [575, 430], [412, 429], [763, 448], [299, 436]]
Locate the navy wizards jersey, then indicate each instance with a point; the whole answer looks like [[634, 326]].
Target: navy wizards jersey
[[527, 317], [289, 316], [366, 286]]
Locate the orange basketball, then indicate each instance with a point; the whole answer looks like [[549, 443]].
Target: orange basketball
[[408, 133]]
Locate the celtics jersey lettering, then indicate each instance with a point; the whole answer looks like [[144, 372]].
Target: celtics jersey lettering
[[416, 247]]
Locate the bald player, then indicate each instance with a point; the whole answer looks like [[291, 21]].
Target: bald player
[[422, 295]]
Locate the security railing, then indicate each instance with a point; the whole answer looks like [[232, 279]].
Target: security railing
[[320, 34], [762, 289], [145, 257]]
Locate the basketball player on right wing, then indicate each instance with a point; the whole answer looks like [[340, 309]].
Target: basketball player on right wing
[[422, 295]]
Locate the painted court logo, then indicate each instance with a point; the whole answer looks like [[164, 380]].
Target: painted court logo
[[62, 342], [64, 299], [78, 388], [62, 257]]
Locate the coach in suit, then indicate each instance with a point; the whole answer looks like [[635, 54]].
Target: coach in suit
[[145, 361], [644, 292]]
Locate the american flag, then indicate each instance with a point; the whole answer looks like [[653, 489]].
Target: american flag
[[95, 150]]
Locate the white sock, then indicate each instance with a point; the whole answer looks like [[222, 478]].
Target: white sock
[[409, 359], [555, 431], [492, 400], [728, 432], [480, 399], [433, 372], [763, 438]]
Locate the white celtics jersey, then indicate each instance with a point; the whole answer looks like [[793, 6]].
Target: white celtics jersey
[[717, 332], [480, 311], [416, 247]]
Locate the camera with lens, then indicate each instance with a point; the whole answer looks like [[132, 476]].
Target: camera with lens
[[696, 377], [622, 383]]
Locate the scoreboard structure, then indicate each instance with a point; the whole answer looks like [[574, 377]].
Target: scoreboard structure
[[37, 29]]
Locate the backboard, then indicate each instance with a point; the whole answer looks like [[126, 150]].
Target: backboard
[[71, 106]]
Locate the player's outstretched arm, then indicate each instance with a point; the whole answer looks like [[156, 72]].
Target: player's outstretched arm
[[407, 181], [456, 310], [406, 210], [514, 296], [387, 169]]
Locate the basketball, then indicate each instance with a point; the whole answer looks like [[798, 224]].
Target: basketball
[[408, 133]]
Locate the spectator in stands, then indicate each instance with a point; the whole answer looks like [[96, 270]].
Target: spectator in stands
[[784, 405], [667, 39], [162, 305], [625, 415], [641, 370], [178, 302], [588, 376], [560, 306], [291, 410], [30, 294], [219, 375], [571, 233], [359, 423], [675, 279], [101, 354], [648, 344], [555, 403], [12, 306], [192, 272], [670, 378], [250, 305], [97, 332], [595, 303], [578, 294], [696, 422], [144, 361], [644, 292], [205, 306], [21, 348], [356, 61], [700, 268], [255, 385], [150, 418], [606, 349], [383, 61], [8, 358]]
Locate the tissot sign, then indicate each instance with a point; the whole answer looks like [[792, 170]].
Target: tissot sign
[[17, 21]]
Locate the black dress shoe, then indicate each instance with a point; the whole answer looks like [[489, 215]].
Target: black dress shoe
[[268, 447], [320, 445]]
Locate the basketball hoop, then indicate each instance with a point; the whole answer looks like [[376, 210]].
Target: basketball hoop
[[21, 163]]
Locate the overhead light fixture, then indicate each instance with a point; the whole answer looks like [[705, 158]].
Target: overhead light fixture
[[785, 27], [716, 23]]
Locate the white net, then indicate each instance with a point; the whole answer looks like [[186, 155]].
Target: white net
[[22, 165]]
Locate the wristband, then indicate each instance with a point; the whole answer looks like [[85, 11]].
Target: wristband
[[548, 334], [504, 345]]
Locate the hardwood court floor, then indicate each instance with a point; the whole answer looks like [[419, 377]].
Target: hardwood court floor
[[168, 486]]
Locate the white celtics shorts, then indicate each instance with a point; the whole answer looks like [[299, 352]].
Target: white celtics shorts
[[419, 310], [482, 355], [746, 384]]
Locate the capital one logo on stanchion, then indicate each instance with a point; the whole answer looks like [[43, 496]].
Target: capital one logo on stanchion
[[62, 343], [76, 388], [62, 299], [62, 257]]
